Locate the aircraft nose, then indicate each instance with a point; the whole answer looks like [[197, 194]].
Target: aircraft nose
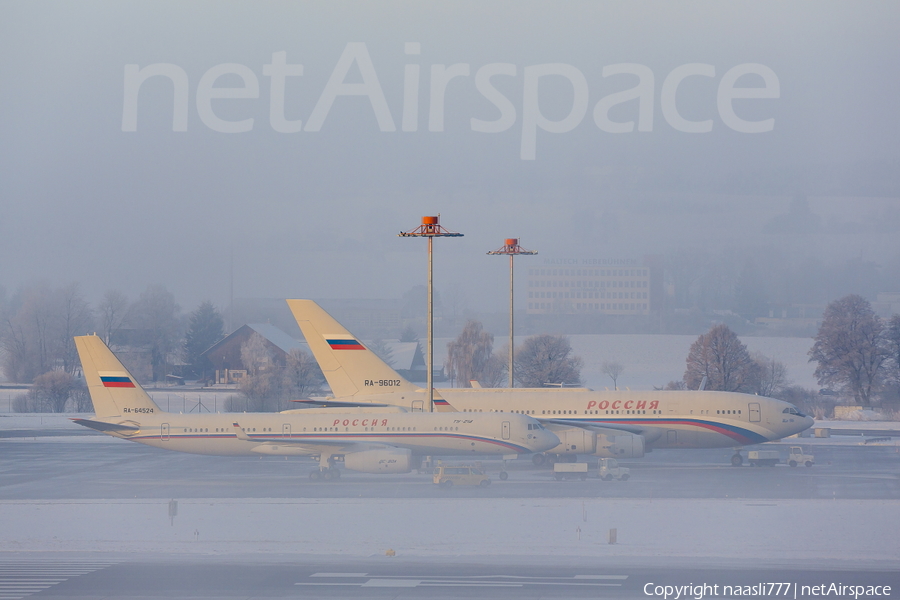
[[546, 441]]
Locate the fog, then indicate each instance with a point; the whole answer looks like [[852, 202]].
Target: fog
[[274, 150], [314, 212]]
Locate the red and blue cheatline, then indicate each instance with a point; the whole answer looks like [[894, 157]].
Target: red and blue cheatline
[[116, 381], [345, 345]]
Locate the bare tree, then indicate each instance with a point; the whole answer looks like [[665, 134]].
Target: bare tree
[[157, 313], [613, 370], [262, 386], [16, 352], [302, 374], [892, 337], [75, 318], [255, 354], [38, 337], [547, 359], [720, 356], [112, 313], [850, 348], [494, 373], [468, 354], [772, 376], [36, 325], [50, 392]]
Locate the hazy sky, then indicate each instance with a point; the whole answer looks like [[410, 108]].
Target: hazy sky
[[314, 211]]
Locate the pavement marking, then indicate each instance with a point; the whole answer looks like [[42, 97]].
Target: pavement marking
[[21, 577], [483, 581]]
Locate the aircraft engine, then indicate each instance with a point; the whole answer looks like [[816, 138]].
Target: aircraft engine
[[389, 460], [574, 440], [620, 445]]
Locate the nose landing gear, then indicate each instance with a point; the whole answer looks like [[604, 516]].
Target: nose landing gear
[[737, 460]]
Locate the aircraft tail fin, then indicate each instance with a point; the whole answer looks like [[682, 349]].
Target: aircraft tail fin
[[114, 391], [347, 364]]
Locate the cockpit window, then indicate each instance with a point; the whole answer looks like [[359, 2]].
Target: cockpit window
[[790, 410]]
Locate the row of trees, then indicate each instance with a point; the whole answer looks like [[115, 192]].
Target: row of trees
[[718, 360], [541, 360], [857, 355], [39, 324], [270, 386]]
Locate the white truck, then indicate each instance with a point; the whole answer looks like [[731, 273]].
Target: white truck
[[609, 469], [796, 457], [759, 458], [570, 470]]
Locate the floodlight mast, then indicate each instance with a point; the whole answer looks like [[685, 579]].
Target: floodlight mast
[[512, 249], [430, 229]]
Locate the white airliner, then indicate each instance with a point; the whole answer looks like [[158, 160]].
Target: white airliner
[[370, 439], [607, 424]]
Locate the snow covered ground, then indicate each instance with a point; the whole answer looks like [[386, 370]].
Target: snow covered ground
[[720, 529]]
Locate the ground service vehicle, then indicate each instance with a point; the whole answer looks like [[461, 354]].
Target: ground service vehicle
[[570, 470], [609, 469], [796, 457], [447, 477], [759, 458]]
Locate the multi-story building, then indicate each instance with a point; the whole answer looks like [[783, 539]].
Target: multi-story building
[[612, 286]]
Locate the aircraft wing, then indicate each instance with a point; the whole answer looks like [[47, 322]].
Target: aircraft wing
[[332, 403], [638, 429], [305, 445]]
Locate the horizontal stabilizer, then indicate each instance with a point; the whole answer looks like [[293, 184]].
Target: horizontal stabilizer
[[101, 426]]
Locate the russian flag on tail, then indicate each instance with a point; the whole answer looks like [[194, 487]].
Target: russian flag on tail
[[116, 381], [349, 344]]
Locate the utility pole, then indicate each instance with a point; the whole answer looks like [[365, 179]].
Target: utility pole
[[430, 229], [512, 249]]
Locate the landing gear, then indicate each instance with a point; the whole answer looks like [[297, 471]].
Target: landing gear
[[737, 460], [504, 475], [328, 474], [326, 470], [539, 459]]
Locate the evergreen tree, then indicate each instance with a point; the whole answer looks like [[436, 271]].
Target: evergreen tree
[[206, 327]]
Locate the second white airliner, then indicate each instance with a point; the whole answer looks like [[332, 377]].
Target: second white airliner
[[621, 424]]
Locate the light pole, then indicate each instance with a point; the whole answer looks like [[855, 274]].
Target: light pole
[[430, 229], [512, 248]]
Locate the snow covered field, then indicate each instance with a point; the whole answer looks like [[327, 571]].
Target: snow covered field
[[720, 529]]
